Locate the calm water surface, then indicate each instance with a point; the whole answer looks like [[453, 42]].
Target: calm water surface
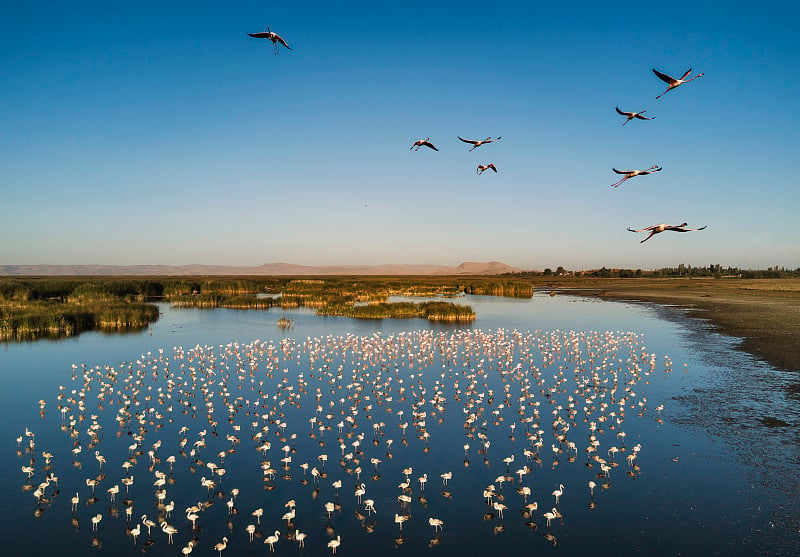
[[713, 476]]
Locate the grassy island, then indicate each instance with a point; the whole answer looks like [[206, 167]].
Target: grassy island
[[346, 297], [432, 311], [52, 308]]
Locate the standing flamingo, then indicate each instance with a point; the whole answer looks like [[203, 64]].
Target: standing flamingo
[[655, 229], [672, 82], [220, 547], [558, 492], [631, 173], [274, 37], [300, 538], [272, 540], [333, 544], [631, 115]]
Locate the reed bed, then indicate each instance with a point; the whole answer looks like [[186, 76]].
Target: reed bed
[[64, 319], [433, 311]]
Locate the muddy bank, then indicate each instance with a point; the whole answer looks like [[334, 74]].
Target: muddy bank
[[766, 316]]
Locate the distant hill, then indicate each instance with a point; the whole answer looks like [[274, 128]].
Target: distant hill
[[268, 269]]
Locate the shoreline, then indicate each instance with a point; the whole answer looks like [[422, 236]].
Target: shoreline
[[767, 320]]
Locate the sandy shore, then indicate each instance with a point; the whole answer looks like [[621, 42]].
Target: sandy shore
[[764, 313]]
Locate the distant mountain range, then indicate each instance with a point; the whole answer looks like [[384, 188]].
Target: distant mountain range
[[268, 269]]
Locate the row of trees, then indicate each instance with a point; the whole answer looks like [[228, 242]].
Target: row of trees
[[682, 270]]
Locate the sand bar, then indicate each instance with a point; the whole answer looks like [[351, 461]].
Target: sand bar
[[765, 313]]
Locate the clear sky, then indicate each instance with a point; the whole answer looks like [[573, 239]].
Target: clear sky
[[160, 133]]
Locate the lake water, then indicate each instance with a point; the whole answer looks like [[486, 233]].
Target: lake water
[[705, 466]]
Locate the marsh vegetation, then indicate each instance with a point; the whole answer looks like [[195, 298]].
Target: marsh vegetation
[[52, 308], [32, 308], [48, 307]]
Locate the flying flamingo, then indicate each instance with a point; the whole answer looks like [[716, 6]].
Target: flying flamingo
[[632, 173], [483, 167], [631, 115], [672, 82], [655, 229], [423, 143], [478, 142], [274, 37]]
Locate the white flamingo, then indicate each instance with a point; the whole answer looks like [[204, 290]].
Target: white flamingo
[[148, 523], [558, 492], [272, 540], [333, 544], [168, 529], [399, 519], [300, 537], [221, 546]]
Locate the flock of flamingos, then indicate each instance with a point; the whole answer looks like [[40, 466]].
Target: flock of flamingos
[[671, 82], [307, 435], [626, 174]]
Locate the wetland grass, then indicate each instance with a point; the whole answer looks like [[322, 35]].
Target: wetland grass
[[54, 319], [433, 311], [209, 300], [53, 308], [285, 323]]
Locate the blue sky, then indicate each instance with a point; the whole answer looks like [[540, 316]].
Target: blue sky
[[145, 134]]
